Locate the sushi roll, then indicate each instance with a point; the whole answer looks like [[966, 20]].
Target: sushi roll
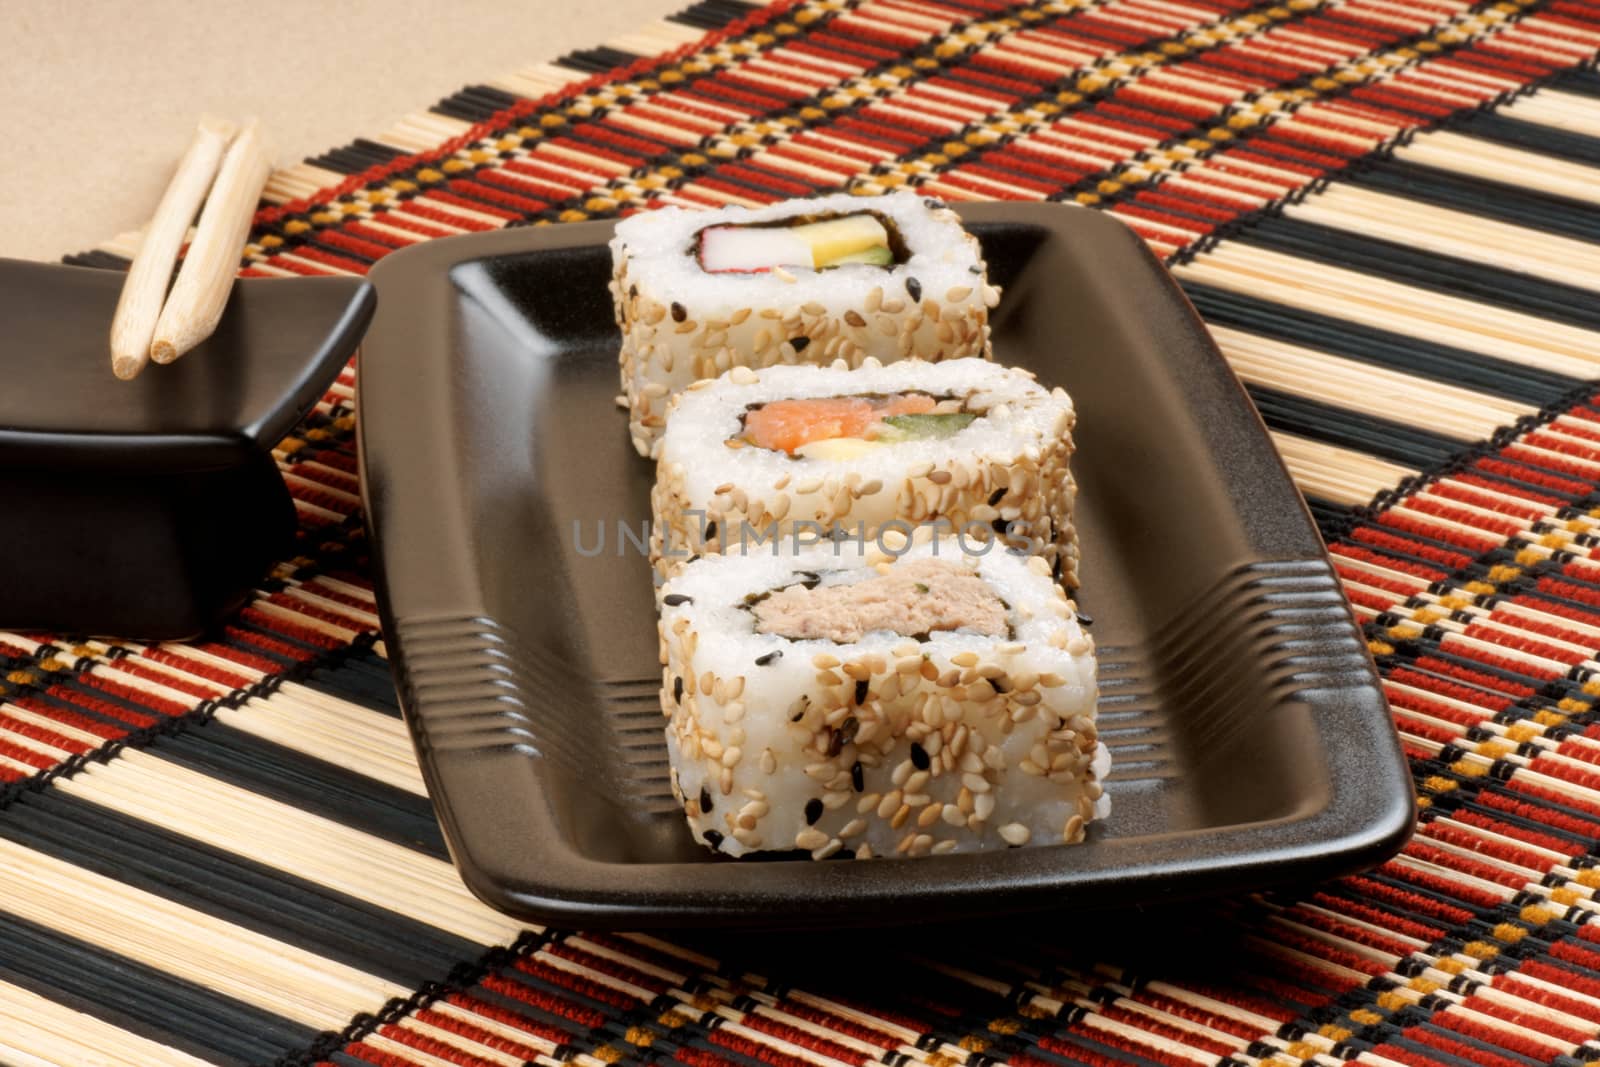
[[805, 281], [792, 455], [922, 699]]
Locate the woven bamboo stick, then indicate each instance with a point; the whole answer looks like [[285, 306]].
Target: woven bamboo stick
[[195, 304], [36, 1031], [139, 308]]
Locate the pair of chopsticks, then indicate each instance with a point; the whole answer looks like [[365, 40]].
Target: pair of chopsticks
[[231, 164]]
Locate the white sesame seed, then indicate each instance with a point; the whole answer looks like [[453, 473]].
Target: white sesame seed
[[810, 838], [827, 850], [1015, 833]]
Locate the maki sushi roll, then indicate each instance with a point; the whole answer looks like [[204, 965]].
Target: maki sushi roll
[[790, 456], [923, 699], [804, 281]]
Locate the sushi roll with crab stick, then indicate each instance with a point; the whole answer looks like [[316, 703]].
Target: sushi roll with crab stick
[[795, 455], [698, 293], [922, 697]]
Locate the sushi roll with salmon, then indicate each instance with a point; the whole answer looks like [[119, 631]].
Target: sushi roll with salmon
[[787, 456], [698, 293], [917, 699]]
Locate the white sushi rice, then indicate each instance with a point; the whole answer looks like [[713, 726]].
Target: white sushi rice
[[890, 745], [1009, 466], [681, 324]]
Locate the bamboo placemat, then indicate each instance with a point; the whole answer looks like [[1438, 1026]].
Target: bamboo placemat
[[221, 852]]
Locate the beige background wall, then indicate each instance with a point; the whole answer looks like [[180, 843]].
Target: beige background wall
[[98, 97]]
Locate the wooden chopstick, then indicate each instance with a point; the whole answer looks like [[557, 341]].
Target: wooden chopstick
[[195, 304], [134, 326]]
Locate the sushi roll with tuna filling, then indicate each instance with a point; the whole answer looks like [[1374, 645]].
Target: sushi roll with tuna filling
[[697, 293], [788, 456], [920, 700]]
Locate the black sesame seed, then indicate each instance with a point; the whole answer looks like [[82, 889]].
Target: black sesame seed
[[799, 343], [672, 600], [919, 757], [914, 287], [633, 290], [858, 777], [861, 692], [805, 702], [975, 269], [849, 727], [994, 497], [835, 742], [813, 811], [677, 690], [933, 202], [1085, 619], [770, 658], [713, 838], [711, 530], [679, 312]]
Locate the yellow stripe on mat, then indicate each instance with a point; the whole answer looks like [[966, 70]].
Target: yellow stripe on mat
[[185, 943], [1509, 166], [1454, 233], [1563, 111], [38, 1032], [143, 786], [1338, 475], [327, 728], [1372, 390], [1512, 336]]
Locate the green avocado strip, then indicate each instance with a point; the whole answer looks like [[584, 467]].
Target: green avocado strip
[[924, 427]]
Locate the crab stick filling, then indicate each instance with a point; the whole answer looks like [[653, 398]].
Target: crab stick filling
[[815, 245]]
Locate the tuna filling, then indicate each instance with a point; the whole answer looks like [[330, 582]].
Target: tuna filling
[[915, 598]]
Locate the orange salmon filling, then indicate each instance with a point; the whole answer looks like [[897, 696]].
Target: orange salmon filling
[[787, 425]]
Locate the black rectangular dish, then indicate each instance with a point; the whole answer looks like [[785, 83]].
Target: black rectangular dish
[[1251, 740]]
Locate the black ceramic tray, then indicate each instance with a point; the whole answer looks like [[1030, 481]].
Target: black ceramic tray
[[1250, 735]]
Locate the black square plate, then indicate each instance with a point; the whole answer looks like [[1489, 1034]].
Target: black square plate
[[1251, 739]]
